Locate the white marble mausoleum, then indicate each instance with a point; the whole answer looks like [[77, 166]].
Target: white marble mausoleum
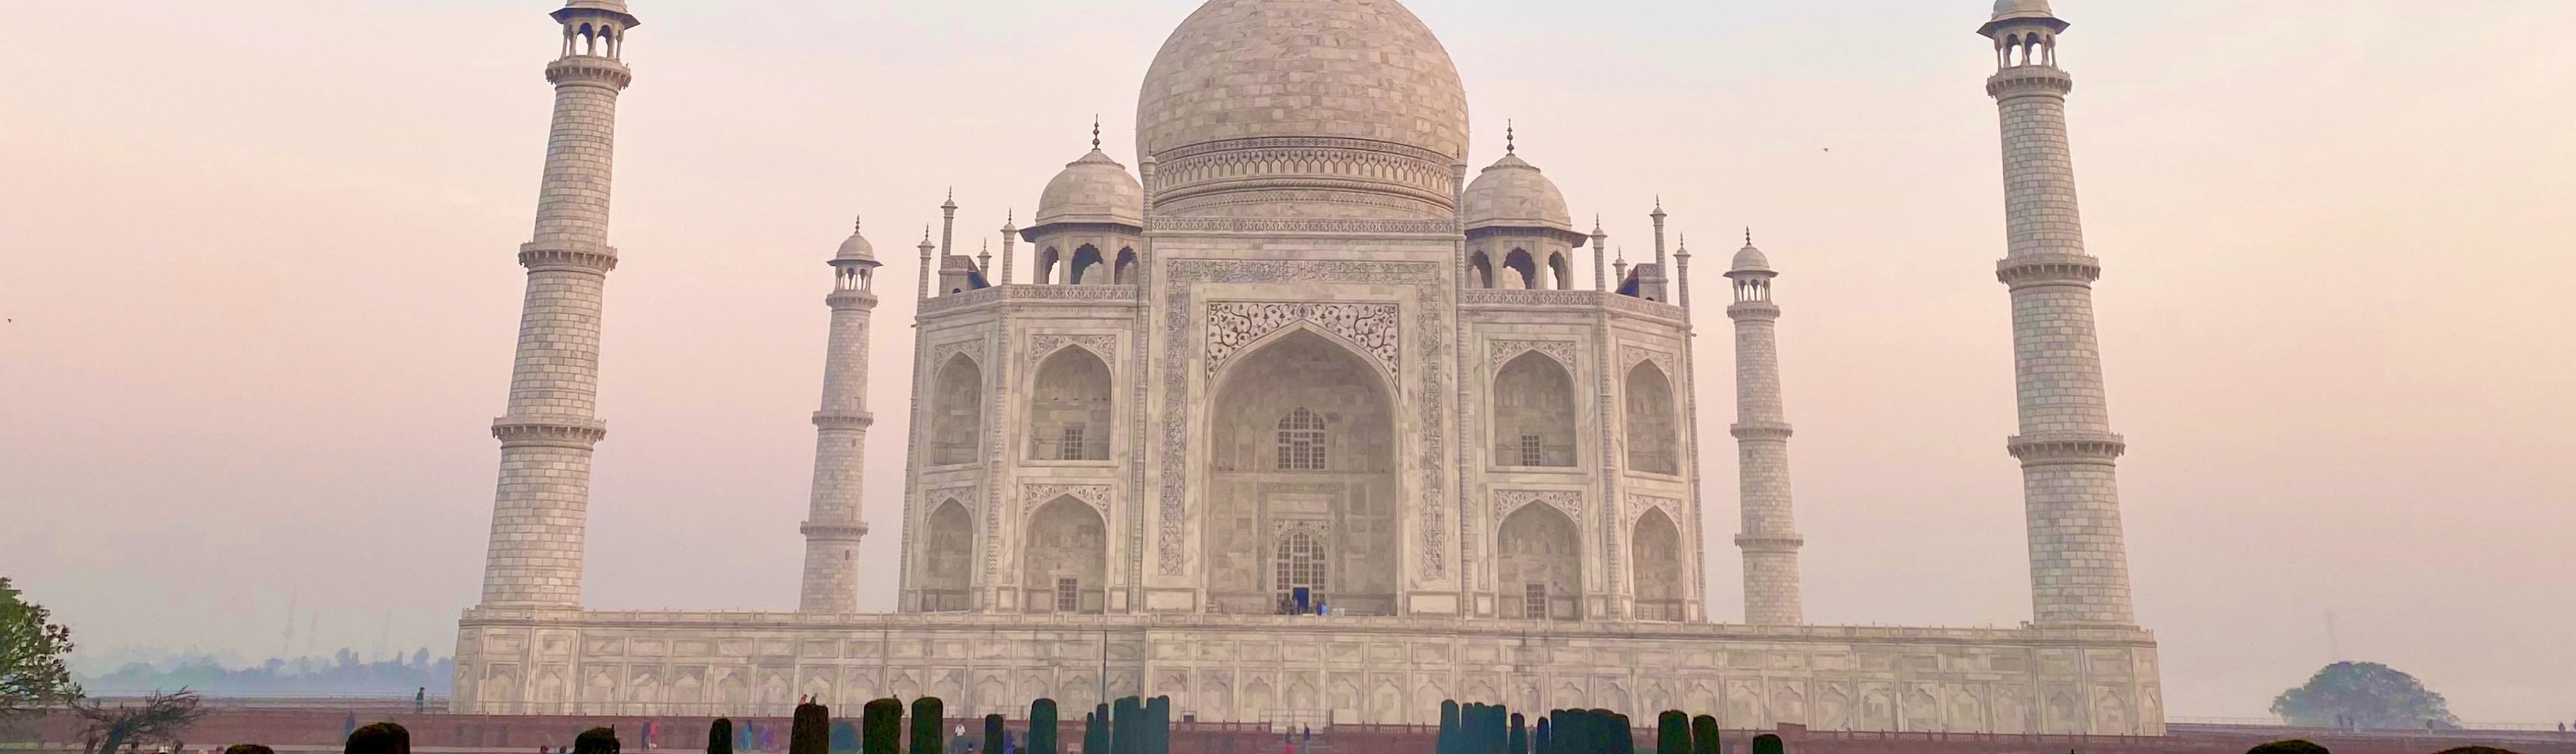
[[1306, 347]]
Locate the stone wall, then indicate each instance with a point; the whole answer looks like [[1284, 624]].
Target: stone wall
[[1316, 671]]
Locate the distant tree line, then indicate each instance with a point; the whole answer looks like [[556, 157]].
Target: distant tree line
[[342, 675]]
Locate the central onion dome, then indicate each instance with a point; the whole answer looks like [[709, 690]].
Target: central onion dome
[[1303, 108]]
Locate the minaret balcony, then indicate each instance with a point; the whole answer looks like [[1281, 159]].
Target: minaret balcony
[[1759, 431], [829, 420], [589, 69], [2067, 447], [1753, 310], [550, 256], [2024, 80], [849, 530], [575, 432], [2048, 269]]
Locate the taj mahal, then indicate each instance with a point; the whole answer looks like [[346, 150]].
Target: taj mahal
[[1307, 419]]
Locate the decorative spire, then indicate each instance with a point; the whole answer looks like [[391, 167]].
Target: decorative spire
[[952, 199], [1659, 206], [1596, 225], [857, 222], [1508, 136], [1095, 132], [1010, 220], [1681, 244], [1748, 235]]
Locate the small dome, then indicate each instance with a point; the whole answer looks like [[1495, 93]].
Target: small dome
[[856, 249], [612, 8], [1514, 194], [1094, 189], [2015, 8], [1749, 259], [2023, 11]]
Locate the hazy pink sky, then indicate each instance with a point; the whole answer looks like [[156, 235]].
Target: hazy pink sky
[[258, 262]]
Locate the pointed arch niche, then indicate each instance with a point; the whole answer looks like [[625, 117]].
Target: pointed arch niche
[[957, 412], [1071, 412], [1533, 412], [1067, 559], [1302, 445], [1538, 565], [1655, 552], [947, 558], [1653, 444]]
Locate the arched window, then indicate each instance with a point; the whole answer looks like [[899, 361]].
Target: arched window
[[1533, 412], [957, 413], [1524, 271], [1657, 555], [947, 555], [1046, 265], [1299, 562], [1068, 559], [1480, 270], [1070, 414], [1126, 270], [1560, 270], [1539, 565], [1652, 444], [1085, 260], [1301, 441]]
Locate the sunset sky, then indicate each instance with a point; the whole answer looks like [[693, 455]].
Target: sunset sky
[[257, 260]]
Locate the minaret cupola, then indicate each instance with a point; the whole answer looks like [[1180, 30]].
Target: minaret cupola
[[2025, 33], [595, 27], [854, 268], [1752, 273]]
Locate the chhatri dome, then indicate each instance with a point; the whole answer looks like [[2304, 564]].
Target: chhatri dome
[[1512, 193], [857, 248], [1094, 189], [1347, 108]]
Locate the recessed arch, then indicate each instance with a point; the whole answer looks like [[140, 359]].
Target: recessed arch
[[1480, 270], [947, 557], [1653, 444], [1067, 558], [1316, 392], [1071, 408], [1523, 271], [1560, 270], [957, 412], [1655, 554], [1047, 261], [1538, 565], [1085, 266], [1534, 412], [1125, 271]]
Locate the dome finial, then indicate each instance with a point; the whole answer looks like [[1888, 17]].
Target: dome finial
[[1508, 136], [857, 222], [1095, 131]]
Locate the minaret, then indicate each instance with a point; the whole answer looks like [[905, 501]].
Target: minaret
[[541, 508], [833, 524], [1010, 234], [1658, 217], [1769, 538], [1681, 264], [2079, 566]]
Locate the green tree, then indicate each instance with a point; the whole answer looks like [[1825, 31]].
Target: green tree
[[32, 648], [2362, 695]]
